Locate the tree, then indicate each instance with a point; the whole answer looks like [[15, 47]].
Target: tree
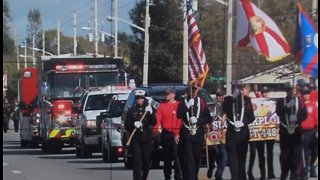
[[34, 27], [8, 44], [165, 44]]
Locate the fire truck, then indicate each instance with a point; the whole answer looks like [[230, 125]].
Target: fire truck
[[29, 111], [64, 80]]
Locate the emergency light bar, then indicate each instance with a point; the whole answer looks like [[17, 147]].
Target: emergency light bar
[[79, 67]]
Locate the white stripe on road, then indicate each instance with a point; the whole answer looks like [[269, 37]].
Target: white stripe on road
[[16, 171], [5, 164]]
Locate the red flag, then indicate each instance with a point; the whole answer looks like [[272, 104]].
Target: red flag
[[198, 67], [257, 30]]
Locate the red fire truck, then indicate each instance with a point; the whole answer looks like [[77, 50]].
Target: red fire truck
[[64, 79], [29, 119]]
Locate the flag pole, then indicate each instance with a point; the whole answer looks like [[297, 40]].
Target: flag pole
[[229, 48]]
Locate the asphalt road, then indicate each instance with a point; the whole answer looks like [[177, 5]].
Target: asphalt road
[[32, 164]]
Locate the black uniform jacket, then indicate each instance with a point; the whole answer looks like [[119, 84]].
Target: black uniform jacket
[[283, 111], [204, 118], [248, 116], [134, 114]]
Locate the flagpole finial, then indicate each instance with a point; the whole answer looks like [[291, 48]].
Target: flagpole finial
[[298, 4]]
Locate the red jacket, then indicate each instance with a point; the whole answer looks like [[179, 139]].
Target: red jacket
[[167, 118], [312, 118]]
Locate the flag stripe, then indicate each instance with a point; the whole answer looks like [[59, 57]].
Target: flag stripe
[[311, 65], [279, 40]]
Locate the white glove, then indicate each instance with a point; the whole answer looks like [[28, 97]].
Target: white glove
[[193, 120], [149, 109], [137, 124], [190, 103], [238, 124], [291, 103]]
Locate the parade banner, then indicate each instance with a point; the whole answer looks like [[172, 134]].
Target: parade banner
[[264, 127], [266, 124]]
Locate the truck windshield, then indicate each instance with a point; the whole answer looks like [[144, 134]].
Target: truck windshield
[[68, 85], [98, 102]]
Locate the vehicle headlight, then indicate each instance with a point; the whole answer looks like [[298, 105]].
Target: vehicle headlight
[[91, 123]]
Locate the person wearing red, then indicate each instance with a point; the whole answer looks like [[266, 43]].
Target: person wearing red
[[309, 129], [167, 119], [313, 97]]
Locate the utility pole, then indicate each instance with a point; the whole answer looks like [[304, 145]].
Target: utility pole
[[25, 53], [229, 48], [74, 34], [185, 43], [43, 43], [146, 45], [18, 64], [58, 37], [96, 27], [33, 43], [115, 28]]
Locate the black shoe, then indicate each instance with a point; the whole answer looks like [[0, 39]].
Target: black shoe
[[263, 178], [313, 174], [218, 177], [209, 173], [250, 176], [271, 176]]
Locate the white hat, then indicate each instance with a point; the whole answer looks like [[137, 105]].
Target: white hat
[[140, 93]]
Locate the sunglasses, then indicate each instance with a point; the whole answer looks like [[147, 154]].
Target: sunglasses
[[139, 97]]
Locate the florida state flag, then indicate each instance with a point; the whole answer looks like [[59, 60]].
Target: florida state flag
[[257, 30]]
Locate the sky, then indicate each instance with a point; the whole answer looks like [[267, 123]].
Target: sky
[[54, 10]]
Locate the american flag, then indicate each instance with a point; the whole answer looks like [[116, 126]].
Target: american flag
[[198, 67]]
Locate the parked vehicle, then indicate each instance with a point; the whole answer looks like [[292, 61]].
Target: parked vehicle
[[88, 138], [158, 93], [111, 145]]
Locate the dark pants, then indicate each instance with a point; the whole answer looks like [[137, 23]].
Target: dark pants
[[309, 141], [5, 125], [190, 158], [314, 156], [237, 152], [259, 147], [270, 145], [212, 155], [221, 158], [16, 125], [170, 149], [290, 160], [141, 153]]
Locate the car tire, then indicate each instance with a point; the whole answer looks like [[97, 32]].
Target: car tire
[[112, 157], [126, 159], [104, 153]]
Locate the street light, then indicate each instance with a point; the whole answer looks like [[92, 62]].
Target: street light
[[37, 49], [146, 40], [102, 32], [110, 18]]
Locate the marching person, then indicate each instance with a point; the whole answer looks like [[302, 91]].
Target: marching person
[[309, 130], [313, 97], [141, 140], [239, 112], [6, 116], [218, 153], [194, 113], [170, 125], [260, 147], [291, 111]]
